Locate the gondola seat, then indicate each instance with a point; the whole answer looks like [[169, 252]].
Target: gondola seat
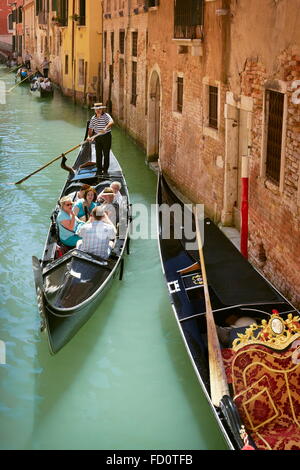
[[264, 372]]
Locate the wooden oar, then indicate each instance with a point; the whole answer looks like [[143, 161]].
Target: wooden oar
[[55, 159], [26, 78], [49, 163], [218, 382]]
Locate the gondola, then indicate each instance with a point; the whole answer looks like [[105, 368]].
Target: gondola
[[41, 93], [70, 285], [258, 330]]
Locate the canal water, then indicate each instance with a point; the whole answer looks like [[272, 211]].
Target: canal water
[[125, 381]]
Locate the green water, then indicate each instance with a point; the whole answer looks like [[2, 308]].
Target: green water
[[125, 381]]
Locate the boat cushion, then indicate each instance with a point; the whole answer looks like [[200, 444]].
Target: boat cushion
[[266, 387]]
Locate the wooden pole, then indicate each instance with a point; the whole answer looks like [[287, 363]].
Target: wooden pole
[[13, 87], [218, 381], [55, 159], [47, 164]]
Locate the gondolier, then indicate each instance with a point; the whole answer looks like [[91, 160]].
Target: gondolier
[[101, 122]]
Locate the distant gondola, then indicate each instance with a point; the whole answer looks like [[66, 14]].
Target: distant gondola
[[262, 365], [41, 93], [71, 286]]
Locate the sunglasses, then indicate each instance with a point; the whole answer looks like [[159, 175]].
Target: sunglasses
[[68, 204]]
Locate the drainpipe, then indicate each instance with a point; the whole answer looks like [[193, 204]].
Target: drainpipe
[[244, 205], [73, 51]]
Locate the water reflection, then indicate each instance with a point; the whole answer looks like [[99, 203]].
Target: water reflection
[[125, 380]]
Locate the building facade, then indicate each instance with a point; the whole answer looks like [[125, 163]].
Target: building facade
[[6, 29], [81, 49], [212, 88]]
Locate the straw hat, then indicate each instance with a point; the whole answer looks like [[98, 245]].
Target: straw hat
[[107, 191], [98, 106]]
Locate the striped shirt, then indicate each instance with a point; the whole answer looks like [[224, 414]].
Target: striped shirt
[[99, 123], [96, 236]]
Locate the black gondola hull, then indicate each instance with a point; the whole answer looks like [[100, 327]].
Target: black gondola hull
[[74, 284], [235, 288]]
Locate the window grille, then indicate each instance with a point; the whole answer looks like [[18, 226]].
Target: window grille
[[122, 42], [134, 44], [188, 19], [179, 94], [133, 83], [275, 106], [213, 107]]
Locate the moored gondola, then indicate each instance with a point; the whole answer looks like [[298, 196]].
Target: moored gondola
[[70, 284], [258, 330]]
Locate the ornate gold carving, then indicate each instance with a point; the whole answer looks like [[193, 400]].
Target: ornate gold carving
[[275, 333]]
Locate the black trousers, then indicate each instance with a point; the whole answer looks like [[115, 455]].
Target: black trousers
[[103, 145], [45, 73]]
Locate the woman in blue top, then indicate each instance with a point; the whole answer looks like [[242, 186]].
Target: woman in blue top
[[84, 207], [67, 222]]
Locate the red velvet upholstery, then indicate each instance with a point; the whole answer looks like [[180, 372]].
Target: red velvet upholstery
[[266, 385]]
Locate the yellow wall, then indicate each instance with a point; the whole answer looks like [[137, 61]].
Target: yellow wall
[[82, 43]]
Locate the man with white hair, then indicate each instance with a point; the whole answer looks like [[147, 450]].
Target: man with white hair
[[98, 234], [116, 186]]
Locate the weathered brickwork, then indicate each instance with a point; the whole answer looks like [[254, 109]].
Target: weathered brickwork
[[118, 90], [243, 56], [274, 225]]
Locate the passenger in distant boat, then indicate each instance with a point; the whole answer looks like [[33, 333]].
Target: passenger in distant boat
[[98, 234], [46, 84], [116, 186], [101, 122], [22, 73], [106, 201], [84, 207], [67, 222]]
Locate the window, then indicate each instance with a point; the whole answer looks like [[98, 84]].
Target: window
[[122, 42], [112, 43], [179, 94], [81, 72], [63, 12], [66, 64], [82, 12], [152, 3], [274, 109], [213, 106], [188, 19], [133, 82], [10, 22], [134, 44]]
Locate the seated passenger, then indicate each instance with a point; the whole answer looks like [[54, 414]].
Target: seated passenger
[[98, 234], [84, 207], [46, 84], [67, 222], [80, 194], [116, 186], [105, 200]]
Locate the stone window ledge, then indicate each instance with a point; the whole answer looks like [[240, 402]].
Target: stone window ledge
[[196, 45], [211, 132]]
